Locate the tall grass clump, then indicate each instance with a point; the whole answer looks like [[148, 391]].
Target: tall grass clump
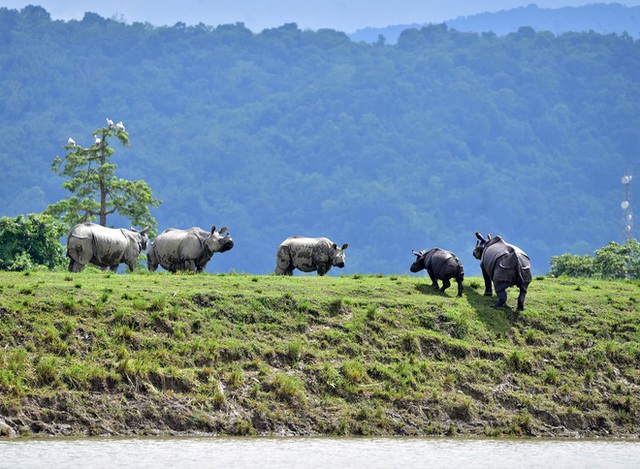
[[294, 351], [288, 387]]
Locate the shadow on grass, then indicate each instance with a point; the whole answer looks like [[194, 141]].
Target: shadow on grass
[[498, 320], [428, 289]]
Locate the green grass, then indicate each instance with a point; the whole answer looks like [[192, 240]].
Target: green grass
[[96, 353]]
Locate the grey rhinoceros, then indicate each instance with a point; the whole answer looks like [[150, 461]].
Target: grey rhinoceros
[[191, 249], [440, 265], [309, 254], [104, 247], [505, 265]]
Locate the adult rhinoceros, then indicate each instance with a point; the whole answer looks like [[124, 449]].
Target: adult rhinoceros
[[504, 264], [440, 265], [191, 249], [104, 247], [309, 254]]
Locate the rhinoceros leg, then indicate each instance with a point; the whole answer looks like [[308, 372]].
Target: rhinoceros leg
[[284, 269], [75, 266], [459, 281], [521, 297], [446, 283], [502, 298], [323, 269], [281, 271], [190, 265], [434, 280], [487, 283]]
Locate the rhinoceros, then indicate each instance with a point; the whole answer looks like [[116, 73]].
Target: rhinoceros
[[189, 250], [309, 254], [104, 247], [440, 265], [505, 265]]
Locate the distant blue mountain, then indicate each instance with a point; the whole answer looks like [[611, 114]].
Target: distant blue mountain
[[598, 17]]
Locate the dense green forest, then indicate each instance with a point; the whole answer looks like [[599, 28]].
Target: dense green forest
[[287, 131]]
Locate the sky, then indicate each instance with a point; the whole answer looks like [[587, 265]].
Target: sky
[[343, 15]]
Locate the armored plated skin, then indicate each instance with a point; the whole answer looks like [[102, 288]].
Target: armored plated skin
[[308, 255], [440, 265], [188, 250], [505, 265], [104, 247]]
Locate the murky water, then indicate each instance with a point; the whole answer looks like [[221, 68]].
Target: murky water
[[369, 453]]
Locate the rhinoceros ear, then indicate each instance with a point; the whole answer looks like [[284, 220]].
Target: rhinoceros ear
[[417, 254], [489, 236], [334, 246], [222, 230], [479, 236], [213, 229], [146, 230], [345, 246]]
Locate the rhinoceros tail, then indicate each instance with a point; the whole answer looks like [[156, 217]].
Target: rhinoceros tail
[[524, 276], [284, 262], [152, 259], [460, 269], [73, 253]]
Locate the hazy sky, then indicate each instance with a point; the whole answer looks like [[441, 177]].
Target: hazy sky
[[343, 15]]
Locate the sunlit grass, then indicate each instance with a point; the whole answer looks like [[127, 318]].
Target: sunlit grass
[[359, 353]]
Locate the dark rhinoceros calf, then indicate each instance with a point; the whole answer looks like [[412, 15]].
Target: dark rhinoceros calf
[[104, 247], [188, 250], [440, 265], [505, 265], [308, 255]]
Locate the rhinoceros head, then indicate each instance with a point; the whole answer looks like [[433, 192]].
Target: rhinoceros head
[[418, 265], [218, 243], [337, 255], [143, 240], [481, 243]]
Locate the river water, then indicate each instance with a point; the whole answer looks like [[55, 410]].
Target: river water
[[369, 453]]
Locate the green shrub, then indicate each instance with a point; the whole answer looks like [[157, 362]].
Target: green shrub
[[30, 242], [572, 266], [614, 261]]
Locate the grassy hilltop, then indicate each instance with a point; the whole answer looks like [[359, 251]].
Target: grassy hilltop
[[102, 354]]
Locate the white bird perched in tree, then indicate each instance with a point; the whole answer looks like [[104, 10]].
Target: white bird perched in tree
[[120, 127], [98, 140], [110, 123], [71, 142]]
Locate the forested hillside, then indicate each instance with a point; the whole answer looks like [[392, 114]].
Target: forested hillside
[[603, 18], [387, 148]]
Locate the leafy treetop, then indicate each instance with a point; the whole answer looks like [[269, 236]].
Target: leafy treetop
[[96, 191]]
